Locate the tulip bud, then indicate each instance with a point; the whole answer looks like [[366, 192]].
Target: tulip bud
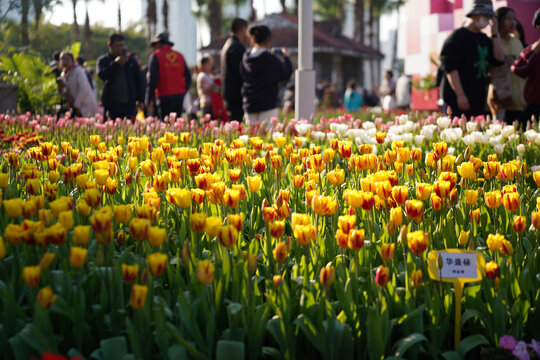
[[252, 263], [402, 238], [463, 237], [46, 297], [277, 280], [382, 275], [327, 275], [416, 278], [138, 296], [205, 272], [491, 269]]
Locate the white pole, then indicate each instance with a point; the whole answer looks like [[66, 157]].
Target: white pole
[[305, 75]]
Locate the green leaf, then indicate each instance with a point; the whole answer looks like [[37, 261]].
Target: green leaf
[[407, 342], [470, 343], [374, 335], [451, 355], [227, 349], [114, 348], [20, 350], [177, 352]]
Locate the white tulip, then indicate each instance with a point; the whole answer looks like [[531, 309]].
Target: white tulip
[[330, 136], [531, 135], [419, 140], [443, 122], [508, 130], [317, 135], [499, 148], [403, 119], [469, 140], [471, 126], [368, 125], [244, 138], [276, 135], [521, 149]]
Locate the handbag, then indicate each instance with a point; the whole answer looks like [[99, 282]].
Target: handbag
[[500, 81]]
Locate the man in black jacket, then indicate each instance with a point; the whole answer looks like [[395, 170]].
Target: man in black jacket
[[123, 86], [231, 57]]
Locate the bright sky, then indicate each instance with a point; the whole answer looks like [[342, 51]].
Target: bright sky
[[105, 12]]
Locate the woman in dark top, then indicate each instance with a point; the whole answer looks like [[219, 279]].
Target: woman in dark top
[[261, 71]]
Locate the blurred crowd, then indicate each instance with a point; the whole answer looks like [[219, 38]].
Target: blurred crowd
[[478, 74]]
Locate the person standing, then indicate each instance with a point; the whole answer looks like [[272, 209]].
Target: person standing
[[231, 57], [511, 108], [465, 59], [77, 89], [205, 85], [353, 100], [261, 71], [123, 87], [528, 66], [168, 78]]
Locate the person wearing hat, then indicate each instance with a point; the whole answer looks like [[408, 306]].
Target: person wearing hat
[[123, 87], [168, 77], [527, 65], [466, 56]]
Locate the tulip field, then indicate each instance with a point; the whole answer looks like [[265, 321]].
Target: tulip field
[[323, 240]]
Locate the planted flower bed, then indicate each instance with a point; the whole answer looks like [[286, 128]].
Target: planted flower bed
[[199, 240]]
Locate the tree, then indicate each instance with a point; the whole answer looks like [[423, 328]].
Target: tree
[[283, 6], [7, 6], [87, 36], [215, 19], [25, 8], [165, 12], [359, 10], [329, 9], [252, 11], [75, 24], [119, 18], [151, 20]]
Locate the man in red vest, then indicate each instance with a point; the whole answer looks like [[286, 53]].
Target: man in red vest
[[168, 78]]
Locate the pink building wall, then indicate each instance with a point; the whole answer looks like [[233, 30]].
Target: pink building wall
[[427, 23]]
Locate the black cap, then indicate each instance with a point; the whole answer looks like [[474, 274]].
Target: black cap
[[482, 7], [536, 18], [162, 38]]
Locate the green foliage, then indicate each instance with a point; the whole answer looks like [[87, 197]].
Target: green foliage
[[57, 37], [37, 90]]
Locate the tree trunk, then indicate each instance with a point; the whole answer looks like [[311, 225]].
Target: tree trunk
[[214, 19], [38, 12], [252, 11], [25, 8], [340, 11], [151, 22], [395, 47], [371, 43], [119, 19], [75, 24], [87, 37], [283, 6], [296, 7], [165, 13], [359, 21]]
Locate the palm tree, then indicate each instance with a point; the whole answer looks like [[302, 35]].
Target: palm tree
[[119, 18]]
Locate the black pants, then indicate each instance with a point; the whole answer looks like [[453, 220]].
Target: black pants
[[530, 110], [117, 110], [235, 110], [169, 104], [512, 115]]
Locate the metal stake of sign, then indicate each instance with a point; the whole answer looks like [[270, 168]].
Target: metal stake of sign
[[305, 75]]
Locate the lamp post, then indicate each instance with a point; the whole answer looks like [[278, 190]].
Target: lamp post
[[305, 75]]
